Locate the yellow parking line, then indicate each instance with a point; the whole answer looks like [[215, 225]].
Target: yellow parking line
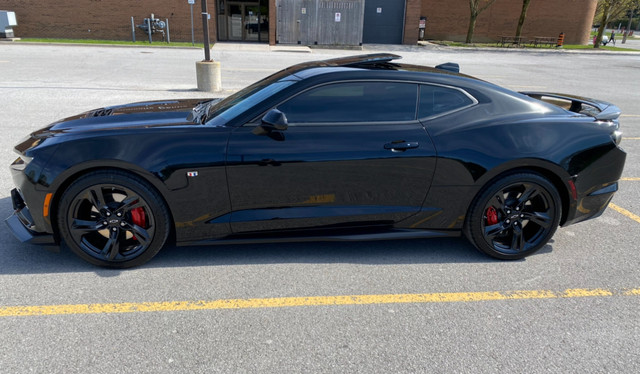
[[636, 138], [625, 212], [280, 302], [630, 115], [630, 179]]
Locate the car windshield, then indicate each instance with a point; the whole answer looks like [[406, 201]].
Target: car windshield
[[230, 107]]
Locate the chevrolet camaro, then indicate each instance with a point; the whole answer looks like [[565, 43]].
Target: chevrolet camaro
[[355, 148]]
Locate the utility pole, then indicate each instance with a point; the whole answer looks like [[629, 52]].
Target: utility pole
[[205, 30], [191, 2], [207, 71]]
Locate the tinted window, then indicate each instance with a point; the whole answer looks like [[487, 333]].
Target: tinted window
[[223, 113], [435, 100], [353, 102]]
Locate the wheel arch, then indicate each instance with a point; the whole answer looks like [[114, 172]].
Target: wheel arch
[[64, 180], [557, 176]]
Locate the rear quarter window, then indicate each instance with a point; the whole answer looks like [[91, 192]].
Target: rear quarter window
[[436, 100]]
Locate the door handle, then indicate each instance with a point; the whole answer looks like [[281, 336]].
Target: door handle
[[401, 146]]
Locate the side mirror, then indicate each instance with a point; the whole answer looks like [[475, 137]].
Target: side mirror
[[274, 120]]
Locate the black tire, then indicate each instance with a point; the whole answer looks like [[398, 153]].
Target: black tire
[[514, 216], [112, 218]]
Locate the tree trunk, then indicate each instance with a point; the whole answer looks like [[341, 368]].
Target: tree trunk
[[472, 26], [523, 16], [603, 24], [475, 10]]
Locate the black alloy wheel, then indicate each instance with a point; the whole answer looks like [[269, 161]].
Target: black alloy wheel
[[514, 216], [113, 219]]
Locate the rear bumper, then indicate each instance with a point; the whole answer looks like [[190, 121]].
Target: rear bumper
[[22, 226], [596, 185], [594, 204]]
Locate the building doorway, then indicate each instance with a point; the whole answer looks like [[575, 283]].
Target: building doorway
[[245, 21]]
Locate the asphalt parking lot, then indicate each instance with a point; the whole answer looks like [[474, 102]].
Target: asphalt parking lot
[[433, 305]]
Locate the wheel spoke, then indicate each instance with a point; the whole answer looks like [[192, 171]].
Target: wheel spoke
[[129, 204], [529, 193], [492, 231], [80, 227], [84, 225], [539, 218], [517, 239], [96, 197], [497, 201], [141, 234], [112, 247]]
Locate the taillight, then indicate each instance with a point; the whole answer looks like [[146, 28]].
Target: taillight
[[616, 136]]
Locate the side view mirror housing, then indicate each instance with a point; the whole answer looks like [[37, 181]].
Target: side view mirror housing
[[274, 120]]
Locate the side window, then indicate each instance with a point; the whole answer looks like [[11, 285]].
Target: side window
[[353, 102], [435, 100]]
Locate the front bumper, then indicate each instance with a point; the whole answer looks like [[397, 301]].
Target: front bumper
[[21, 223]]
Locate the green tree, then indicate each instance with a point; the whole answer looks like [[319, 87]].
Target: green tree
[[476, 7], [608, 10], [523, 16]]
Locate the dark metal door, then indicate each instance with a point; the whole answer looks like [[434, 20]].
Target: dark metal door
[[383, 21]]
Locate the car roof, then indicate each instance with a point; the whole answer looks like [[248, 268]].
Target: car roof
[[382, 65]]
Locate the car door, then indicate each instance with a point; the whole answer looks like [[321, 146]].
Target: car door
[[353, 155]]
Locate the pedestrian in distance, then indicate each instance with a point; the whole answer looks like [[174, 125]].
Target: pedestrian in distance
[[612, 39]]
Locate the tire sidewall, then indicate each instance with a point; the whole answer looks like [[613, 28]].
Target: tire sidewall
[[121, 179]]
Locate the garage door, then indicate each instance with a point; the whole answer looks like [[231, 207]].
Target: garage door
[[383, 21]]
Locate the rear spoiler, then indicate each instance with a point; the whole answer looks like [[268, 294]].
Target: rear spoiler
[[600, 110]]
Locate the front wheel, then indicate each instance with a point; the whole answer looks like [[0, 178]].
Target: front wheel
[[113, 219], [514, 216]]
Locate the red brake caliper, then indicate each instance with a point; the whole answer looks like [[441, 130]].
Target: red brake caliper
[[492, 216], [138, 218]]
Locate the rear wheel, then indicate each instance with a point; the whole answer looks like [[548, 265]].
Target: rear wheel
[[514, 216], [113, 219]]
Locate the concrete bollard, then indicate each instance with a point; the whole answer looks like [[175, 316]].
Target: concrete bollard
[[208, 76]]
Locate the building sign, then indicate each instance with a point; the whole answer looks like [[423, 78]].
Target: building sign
[[191, 2], [378, 10], [304, 10], [338, 16]]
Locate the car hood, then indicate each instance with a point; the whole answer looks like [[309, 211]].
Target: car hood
[[136, 115]]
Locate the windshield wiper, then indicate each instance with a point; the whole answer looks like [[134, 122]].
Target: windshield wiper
[[199, 112]]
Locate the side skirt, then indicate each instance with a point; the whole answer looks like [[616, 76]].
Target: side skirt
[[330, 237]]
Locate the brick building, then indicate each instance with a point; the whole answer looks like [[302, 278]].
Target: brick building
[[332, 22]]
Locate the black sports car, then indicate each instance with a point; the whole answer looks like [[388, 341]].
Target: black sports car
[[356, 148]]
